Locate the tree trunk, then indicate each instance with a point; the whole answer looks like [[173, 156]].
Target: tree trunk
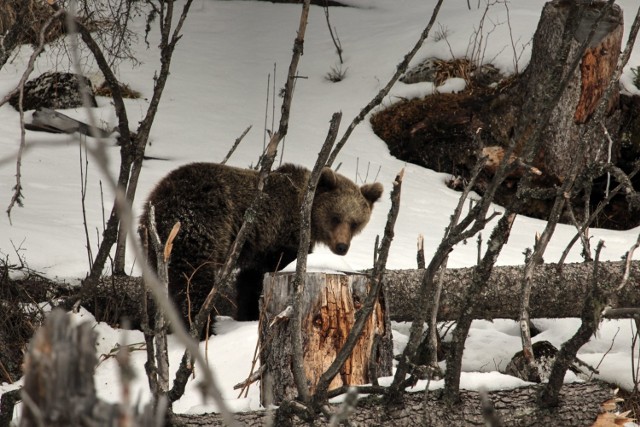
[[562, 29], [552, 104], [581, 404], [330, 303]]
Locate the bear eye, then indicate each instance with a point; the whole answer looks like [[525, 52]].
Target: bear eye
[[335, 220], [354, 226]]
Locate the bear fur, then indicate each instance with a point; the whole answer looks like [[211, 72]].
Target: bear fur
[[210, 201]]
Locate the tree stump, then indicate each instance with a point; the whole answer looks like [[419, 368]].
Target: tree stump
[[562, 29], [59, 386], [442, 131], [330, 303], [59, 379]]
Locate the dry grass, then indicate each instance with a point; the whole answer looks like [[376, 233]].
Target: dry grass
[[631, 403], [30, 18], [446, 69], [125, 89], [20, 316]]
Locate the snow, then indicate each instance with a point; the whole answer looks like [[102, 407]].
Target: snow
[[218, 87], [322, 261]]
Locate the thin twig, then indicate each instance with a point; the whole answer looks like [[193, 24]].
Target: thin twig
[[335, 39], [84, 174], [325, 379], [401, 68], [16, 198], [235, 145]]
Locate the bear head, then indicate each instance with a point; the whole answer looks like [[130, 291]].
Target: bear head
[[341, 209]]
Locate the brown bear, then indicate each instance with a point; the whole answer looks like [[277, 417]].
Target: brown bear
[[210, 201]]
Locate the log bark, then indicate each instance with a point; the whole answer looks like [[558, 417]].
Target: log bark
[[580, 406], [59, 387], [59, 380], [557, 293], [330, 303]]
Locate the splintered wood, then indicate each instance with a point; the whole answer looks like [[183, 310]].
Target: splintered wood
[[330, 303]]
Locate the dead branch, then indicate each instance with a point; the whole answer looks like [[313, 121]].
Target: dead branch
[[224, 275], [591, 315], [168, 44], [320, 396], [499, 237], [303, 250], [401, 68], [334, 38], [16, 198], [235, 145]]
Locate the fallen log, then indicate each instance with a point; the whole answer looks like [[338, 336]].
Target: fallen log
[[581, 405], [557, 292]]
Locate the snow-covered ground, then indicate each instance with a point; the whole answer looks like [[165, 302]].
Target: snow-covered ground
[[218, 87]]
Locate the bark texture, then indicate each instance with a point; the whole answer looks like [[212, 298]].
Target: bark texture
[[562, 29], [580, 406], [330, 303], [59, 375], [556, 293], [59, 388]]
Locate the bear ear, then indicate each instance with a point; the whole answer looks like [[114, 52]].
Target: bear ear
[[372, 192], [328, 180]]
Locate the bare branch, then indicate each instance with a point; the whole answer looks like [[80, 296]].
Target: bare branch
[[498, 239], [17, 194], [235, 145], [401, 68], [301, 265], [334, 38], [591, 314], [223, 275], [322, 387]]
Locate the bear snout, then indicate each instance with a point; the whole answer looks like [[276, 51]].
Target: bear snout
[[341, 249]]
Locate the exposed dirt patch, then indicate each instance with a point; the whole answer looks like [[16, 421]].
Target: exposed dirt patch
[[440, 132]]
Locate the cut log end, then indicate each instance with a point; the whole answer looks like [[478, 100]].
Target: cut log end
[[330, 303]]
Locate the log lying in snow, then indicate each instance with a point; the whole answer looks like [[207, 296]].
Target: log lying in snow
[[581, 404], [330, 303], [556, 293]]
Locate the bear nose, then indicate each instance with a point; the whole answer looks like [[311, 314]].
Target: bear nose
[[342, 248]]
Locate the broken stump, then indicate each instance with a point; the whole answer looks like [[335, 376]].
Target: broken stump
[[330, 303], [562, 29]]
